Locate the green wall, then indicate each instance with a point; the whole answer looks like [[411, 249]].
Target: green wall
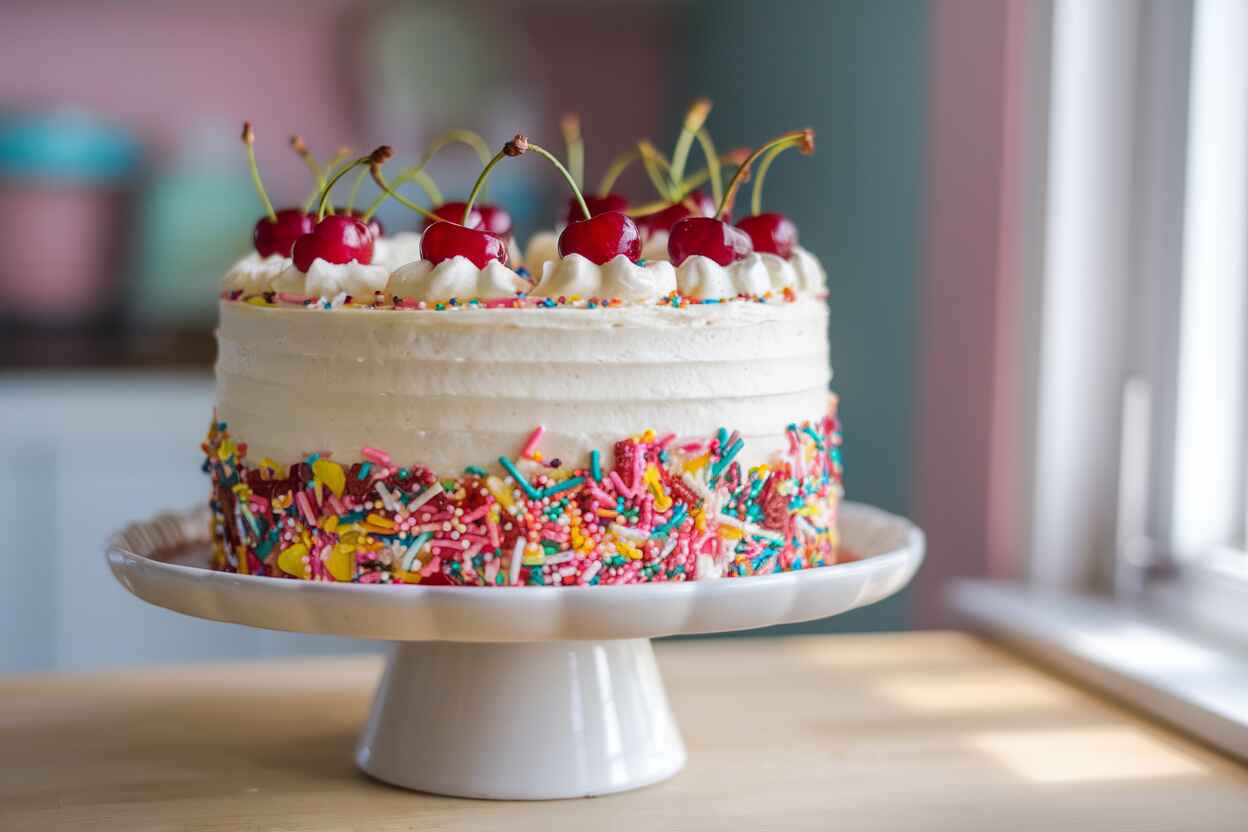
[[856, 72]]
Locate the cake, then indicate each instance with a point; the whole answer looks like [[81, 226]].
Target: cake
[[450, 420]]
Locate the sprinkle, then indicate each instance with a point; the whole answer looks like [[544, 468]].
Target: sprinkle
[[595, 465], [570, 482], [531, 444], [619, 484], [678, 514], [425, 496], [520, 479], [588, 575], [374, 455], [513, 568], [475, 470], [500, 492]]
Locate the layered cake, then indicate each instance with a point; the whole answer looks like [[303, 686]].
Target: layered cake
[[423, 409]]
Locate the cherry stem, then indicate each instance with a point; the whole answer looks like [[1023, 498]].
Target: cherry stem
[[756, 197], [322, 206], [695, 117], [460, 136], [339, 157], [249, 140], [355, 190], [298, 145], [712, 166], [375, 161], [412, 174], [805, 139], [519, 145], [652, 160], [570, 126], [617, 167]]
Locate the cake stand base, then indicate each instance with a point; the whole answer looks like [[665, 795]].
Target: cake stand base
[[536, 720]]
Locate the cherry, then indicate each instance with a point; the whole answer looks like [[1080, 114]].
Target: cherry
[[772, 233], [277, 231], [496, 219], [444, 240], [453, 212], [601, 238], [337, 238], [277, 236], [374, 225], [709, 237], [664, 220], [597, 205]]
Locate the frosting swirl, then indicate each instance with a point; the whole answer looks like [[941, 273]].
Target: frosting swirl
[[253, 274], [397, 250], [328, 280], [455, 278], [617, 278]]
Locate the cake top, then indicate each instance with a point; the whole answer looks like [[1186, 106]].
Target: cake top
[[319, 255]]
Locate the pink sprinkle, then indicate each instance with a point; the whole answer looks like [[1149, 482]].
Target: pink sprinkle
[[665, 440], [531, 445], [601, 497], [291, 297], [619, 484], [690, 447], [305, 506], [374, 455], [475, 515], [337, 505], [495, 539], [432, 566]]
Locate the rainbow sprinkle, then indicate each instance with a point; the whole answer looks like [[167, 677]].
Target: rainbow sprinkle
[[666, 510]]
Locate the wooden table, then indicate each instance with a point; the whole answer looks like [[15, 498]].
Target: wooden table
[[923, 731]]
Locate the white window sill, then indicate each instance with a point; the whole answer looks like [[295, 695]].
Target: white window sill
[[1189, 678]]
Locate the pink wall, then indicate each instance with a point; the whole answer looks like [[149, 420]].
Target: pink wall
[[970, 297]]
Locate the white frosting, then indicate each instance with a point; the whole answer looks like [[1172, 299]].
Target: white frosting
[[452, 389], [397, 250], [455, 278], [655, 247], [780, 271], [254, 274], [619, 277], [702, 277], [543, 248], [810, 274], [327, 280]]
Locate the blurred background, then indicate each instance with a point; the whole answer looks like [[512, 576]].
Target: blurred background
[[976, 204]]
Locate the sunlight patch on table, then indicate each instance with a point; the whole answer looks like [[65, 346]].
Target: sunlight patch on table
[[973, 691], [1080, 755]]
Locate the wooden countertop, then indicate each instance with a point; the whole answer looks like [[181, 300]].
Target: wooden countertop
[[923, 731]]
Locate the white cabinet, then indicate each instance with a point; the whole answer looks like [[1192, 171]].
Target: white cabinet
[[80, 456]]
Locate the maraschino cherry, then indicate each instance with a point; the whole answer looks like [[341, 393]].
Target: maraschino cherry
[[301, 148], [277, 231], [714, 237], [447, 237], [604, 200], [598, 238], [772, 232], [339, 238]]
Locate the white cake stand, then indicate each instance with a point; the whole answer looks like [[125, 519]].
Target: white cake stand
[[516, 693]]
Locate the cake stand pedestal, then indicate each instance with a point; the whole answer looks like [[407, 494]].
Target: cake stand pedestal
[[516, 693]]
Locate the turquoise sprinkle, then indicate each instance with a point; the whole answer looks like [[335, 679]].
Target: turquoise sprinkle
[[511, 468], [725, 460], [595, 465], [809, 431], [678, 514], [312, 458], [570, 482], [475, 470], [364, 469]]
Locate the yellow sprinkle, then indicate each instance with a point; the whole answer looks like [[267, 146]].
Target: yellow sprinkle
[[341, 562], [244, 568], [407, 577], [378, 520], [536, 456], [225, 450], [331, 474], [290, 560], [699, 520], [662, 502], [697, 462], [648, 436], [257, 300], [500, 492], [331, 523], [267, 462], [730, 532]]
